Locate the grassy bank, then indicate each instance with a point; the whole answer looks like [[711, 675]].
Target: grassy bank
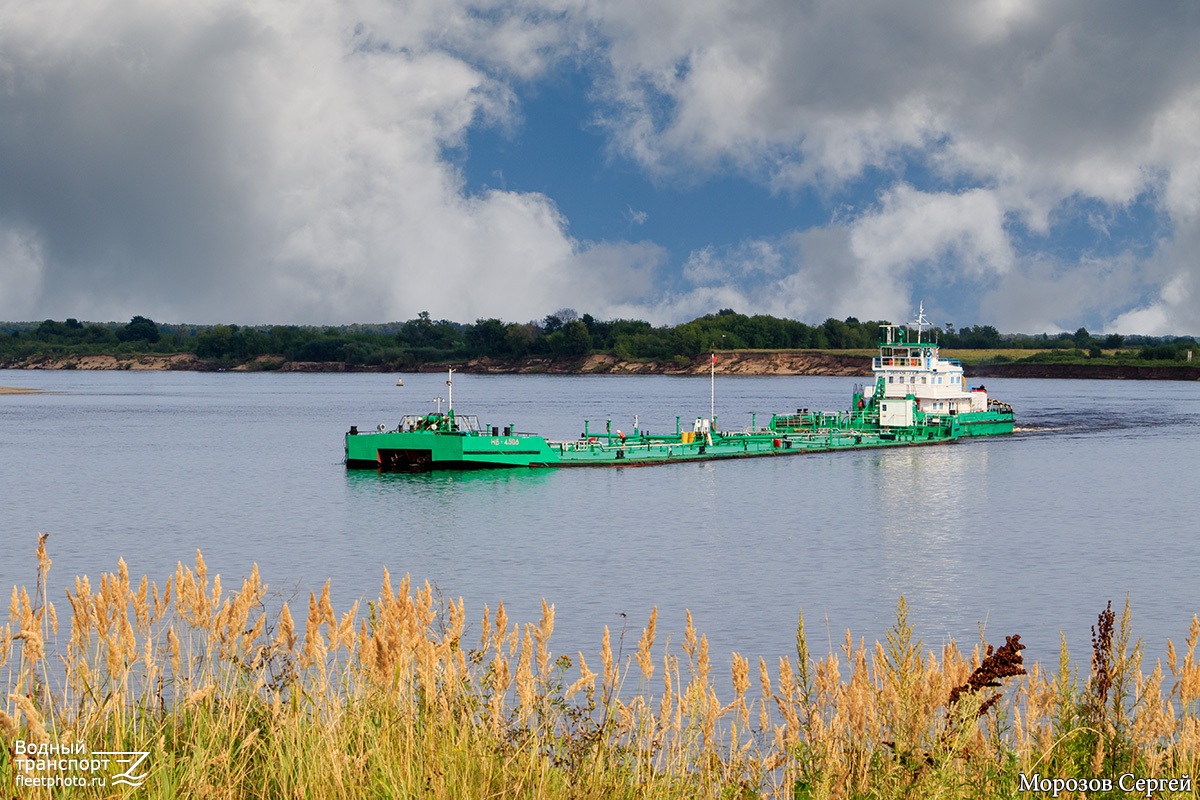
[[394, 698]]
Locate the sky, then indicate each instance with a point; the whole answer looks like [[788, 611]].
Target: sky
[[1028, 164]]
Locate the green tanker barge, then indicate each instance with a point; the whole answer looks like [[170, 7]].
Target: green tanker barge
[[917, 398]]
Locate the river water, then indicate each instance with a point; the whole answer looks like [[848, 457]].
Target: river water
[[1093, 499]]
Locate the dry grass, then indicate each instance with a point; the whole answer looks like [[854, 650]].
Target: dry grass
[[231, 699], [975, 356]]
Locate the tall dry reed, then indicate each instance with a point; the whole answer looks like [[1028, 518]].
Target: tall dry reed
[[231, 694]]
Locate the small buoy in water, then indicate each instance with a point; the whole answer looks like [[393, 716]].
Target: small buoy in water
[[399, 381]]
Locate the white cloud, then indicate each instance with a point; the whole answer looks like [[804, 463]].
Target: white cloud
[[1175, 141], [1148, 321], [636, 217], [962, 233], [615, 278], [1045, 295], [809, 275], [1059, 98], [271, 161], [747, 263], [1173, 310], [1029, 107], [863, 266]]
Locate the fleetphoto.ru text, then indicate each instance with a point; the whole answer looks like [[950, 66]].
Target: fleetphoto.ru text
[[54, 765]]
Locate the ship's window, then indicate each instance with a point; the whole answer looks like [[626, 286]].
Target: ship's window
[[889, 378], [922, 379]]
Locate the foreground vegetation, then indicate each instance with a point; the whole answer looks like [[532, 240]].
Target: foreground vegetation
[[227, 699], [560, 336]]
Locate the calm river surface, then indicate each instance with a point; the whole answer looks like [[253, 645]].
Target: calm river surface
[[1094, 499]]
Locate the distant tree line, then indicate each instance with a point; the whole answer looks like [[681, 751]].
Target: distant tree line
[[561, 335]]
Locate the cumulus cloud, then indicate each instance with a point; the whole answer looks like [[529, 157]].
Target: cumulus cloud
[[809, 275], [1061, 97], [966, 229], [1043, 295], [1028, 106], [269, 161], [865, 265], [1173, 308]]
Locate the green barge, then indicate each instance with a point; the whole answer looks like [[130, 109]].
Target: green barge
[[917, 398]]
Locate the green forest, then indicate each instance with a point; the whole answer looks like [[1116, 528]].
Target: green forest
[[564, 335]]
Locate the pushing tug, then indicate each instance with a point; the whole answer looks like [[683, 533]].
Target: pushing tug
[[914, 385], [917, 398]]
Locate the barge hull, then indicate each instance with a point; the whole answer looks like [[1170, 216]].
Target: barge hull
[[420, 451], [640, 457]]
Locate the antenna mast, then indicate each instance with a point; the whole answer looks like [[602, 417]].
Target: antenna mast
[[922, 322], [712, 387]]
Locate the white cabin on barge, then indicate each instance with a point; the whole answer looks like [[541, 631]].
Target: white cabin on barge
[[914, 367]]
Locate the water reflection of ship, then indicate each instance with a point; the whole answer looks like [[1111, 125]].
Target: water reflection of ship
[[440, 480], [925, 534]]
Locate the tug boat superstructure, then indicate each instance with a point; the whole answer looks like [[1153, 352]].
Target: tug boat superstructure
[[914, 383]]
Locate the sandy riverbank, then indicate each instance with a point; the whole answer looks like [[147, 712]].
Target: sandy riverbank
[[728, 363], [793, 362], [107, 362]]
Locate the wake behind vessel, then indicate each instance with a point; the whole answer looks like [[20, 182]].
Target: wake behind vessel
[[917, 397]]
